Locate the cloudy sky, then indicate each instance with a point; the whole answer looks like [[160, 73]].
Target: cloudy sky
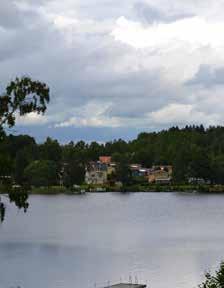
[[116, 68]]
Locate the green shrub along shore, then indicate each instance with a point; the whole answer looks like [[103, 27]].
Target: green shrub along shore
[[129, 189], [54, 190]]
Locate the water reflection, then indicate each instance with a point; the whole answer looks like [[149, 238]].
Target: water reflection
[[165, 238]]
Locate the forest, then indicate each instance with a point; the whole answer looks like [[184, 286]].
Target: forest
[[193, 151]]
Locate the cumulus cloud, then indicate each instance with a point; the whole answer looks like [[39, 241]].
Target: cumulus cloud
[[194, 31], [180, 114], [128, 65], [92, 115]]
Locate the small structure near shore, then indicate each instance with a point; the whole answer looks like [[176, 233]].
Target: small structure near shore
[[127, 285], [97, 172]]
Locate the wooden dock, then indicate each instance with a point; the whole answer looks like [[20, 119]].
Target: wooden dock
[[126, 285]]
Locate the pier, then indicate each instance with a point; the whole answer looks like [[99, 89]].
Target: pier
[[127, 285]]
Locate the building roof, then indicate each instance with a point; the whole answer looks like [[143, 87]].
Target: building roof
[[123, 285], [105, 159]]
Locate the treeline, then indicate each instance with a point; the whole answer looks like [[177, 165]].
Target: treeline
[[193, 151]]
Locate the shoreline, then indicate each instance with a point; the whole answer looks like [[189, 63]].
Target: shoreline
[[55, 190], [83, 189]]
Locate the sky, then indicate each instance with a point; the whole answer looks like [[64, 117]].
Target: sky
[[116, 68]]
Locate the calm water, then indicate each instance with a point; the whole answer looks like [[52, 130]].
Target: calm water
[[169, 239]]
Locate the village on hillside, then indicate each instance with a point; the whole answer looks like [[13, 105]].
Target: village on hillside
[[101, 172]]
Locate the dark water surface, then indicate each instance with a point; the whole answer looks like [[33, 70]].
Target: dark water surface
[[169, 239]]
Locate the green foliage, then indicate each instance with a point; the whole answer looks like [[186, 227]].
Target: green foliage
[[214, 281], [123, 172], [21, 96], [217, 166], [6, 165], [73, 174], [41, 173], [50, 150]]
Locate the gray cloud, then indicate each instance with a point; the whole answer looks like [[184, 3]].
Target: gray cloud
[[139, 93], [150, 13], [91, 75], [9, 16], [12, 17], [208, 76]]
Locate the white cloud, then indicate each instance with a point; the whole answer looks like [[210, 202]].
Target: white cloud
[[89, 122], [195, 31], [179, 114], [32, 119], [177, 48], [91, 115], [118, 71]]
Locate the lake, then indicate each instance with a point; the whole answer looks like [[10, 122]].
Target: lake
[[166, 239]]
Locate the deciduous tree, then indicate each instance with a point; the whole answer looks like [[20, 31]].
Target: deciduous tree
[[21, 96]]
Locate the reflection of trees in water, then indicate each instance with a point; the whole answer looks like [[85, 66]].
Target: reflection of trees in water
[[2, 211]]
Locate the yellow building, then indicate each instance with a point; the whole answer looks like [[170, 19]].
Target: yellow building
[[160, 174]]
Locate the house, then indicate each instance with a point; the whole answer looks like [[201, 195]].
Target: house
[[105, 159], [138, 171], [143, 172], [111, 168], [96, 177], [167, 168], [97, 172], [135, 169], [160, 174]]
